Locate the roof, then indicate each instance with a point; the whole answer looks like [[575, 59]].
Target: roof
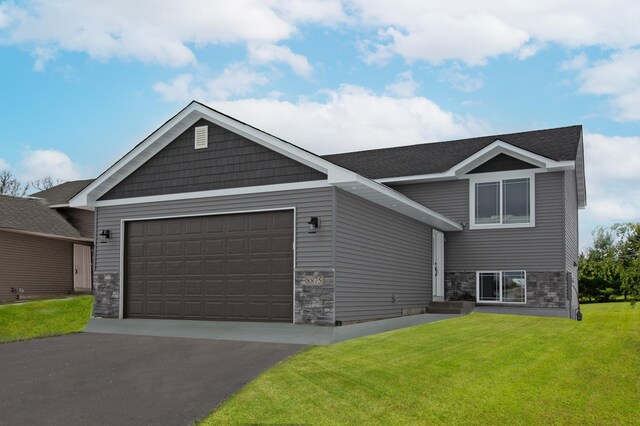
[[559, 144], [337, 176], [32, 215], [61, 194]]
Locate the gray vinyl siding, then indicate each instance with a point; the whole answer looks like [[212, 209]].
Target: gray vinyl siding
[[229, 161], [312, 250], [541, 248], [571, 228], [379, 253], [82, 220], [42, 266]]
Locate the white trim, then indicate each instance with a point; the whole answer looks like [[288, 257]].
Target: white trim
[[215, 193], [500, 302], [437, 271], [499, 177], [460, 170], [137, 219], [78, 240]]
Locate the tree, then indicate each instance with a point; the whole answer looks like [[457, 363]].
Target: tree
[[612, 265], [45, 183], [9, 185]]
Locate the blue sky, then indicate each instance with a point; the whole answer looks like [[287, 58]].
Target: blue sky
[[82, 82]]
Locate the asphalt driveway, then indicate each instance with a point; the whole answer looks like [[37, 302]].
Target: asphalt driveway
[[109, 379]]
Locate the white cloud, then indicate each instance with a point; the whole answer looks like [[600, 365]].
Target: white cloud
[[576, 63], [4, 165], [352, 118], [40, 163], [43, 55], [473, 32], [459, 80], [404, 86], [268, 53], [619, 78], [236, 79], [165, 33], [613, 182]]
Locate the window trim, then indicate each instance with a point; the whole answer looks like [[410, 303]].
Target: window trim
[[499, 177], [493, 302]]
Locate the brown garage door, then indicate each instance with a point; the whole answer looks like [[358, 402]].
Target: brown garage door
[[235, 267]]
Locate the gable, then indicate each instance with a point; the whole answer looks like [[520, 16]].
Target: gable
[[501, 163], [229, 161]]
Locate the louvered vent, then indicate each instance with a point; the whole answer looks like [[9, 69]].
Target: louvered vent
[[202, 137]]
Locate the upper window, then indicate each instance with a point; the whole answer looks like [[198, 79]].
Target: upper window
[[501, 202]]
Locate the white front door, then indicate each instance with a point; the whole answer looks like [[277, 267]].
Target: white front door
[[81, 267], [438, 266]]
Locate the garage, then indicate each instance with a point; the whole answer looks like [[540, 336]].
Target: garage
[[234, 267]]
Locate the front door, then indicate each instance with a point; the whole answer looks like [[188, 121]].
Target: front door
[[81, 268], [438, 266]]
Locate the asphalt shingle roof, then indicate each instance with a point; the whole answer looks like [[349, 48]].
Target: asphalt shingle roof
[[560, 144], [61, 194], [33, 215]]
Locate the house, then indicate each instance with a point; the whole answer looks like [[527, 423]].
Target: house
[[41, 253], [210, 218]]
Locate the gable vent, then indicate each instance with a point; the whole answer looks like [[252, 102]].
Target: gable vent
[[202, 137]]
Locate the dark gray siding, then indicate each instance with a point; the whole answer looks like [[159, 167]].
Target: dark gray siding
[[541, 248], [502, 162], [42, 266], [379, 253], [312, 250], [571, 231], [82, 220], [230, 161]]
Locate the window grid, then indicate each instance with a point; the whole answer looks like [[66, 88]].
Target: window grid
[[500, 288]]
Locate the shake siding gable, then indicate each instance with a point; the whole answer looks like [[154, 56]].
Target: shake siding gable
[[541, 248], [379, 254], [229, 161]]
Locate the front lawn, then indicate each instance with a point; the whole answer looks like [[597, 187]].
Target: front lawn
[[477, 369], [43, 318]]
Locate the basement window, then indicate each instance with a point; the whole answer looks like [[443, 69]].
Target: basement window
[[202, 137], [501, 287]]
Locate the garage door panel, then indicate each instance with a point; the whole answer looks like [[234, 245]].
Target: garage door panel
[[235, 267], [258, 288], [193, 267], [258, 310], [154, 288], [173, 267], [236, 311], [235, 288], [173, 248]]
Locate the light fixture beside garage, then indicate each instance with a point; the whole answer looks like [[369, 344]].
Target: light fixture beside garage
[[314, 224], [104, 235]]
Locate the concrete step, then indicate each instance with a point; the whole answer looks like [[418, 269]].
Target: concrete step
[[431, 310], [460, 307]]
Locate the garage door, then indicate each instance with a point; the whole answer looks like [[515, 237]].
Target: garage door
[[235, 267]]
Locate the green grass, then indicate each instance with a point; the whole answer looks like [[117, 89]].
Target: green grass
[[478, 369], [44, 318]]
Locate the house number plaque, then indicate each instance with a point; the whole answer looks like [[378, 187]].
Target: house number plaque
[[313, 280]]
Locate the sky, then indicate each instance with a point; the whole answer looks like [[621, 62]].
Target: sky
[[82, 82]]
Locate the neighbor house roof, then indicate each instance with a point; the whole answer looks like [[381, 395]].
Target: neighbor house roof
[[33, 216], [60, 195], [560, 144]]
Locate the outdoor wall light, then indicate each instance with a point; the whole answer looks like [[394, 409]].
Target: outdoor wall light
[[104, 235], [314, 224]]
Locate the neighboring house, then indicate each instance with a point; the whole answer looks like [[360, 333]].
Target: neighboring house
[[41, 253], [210, 218]]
